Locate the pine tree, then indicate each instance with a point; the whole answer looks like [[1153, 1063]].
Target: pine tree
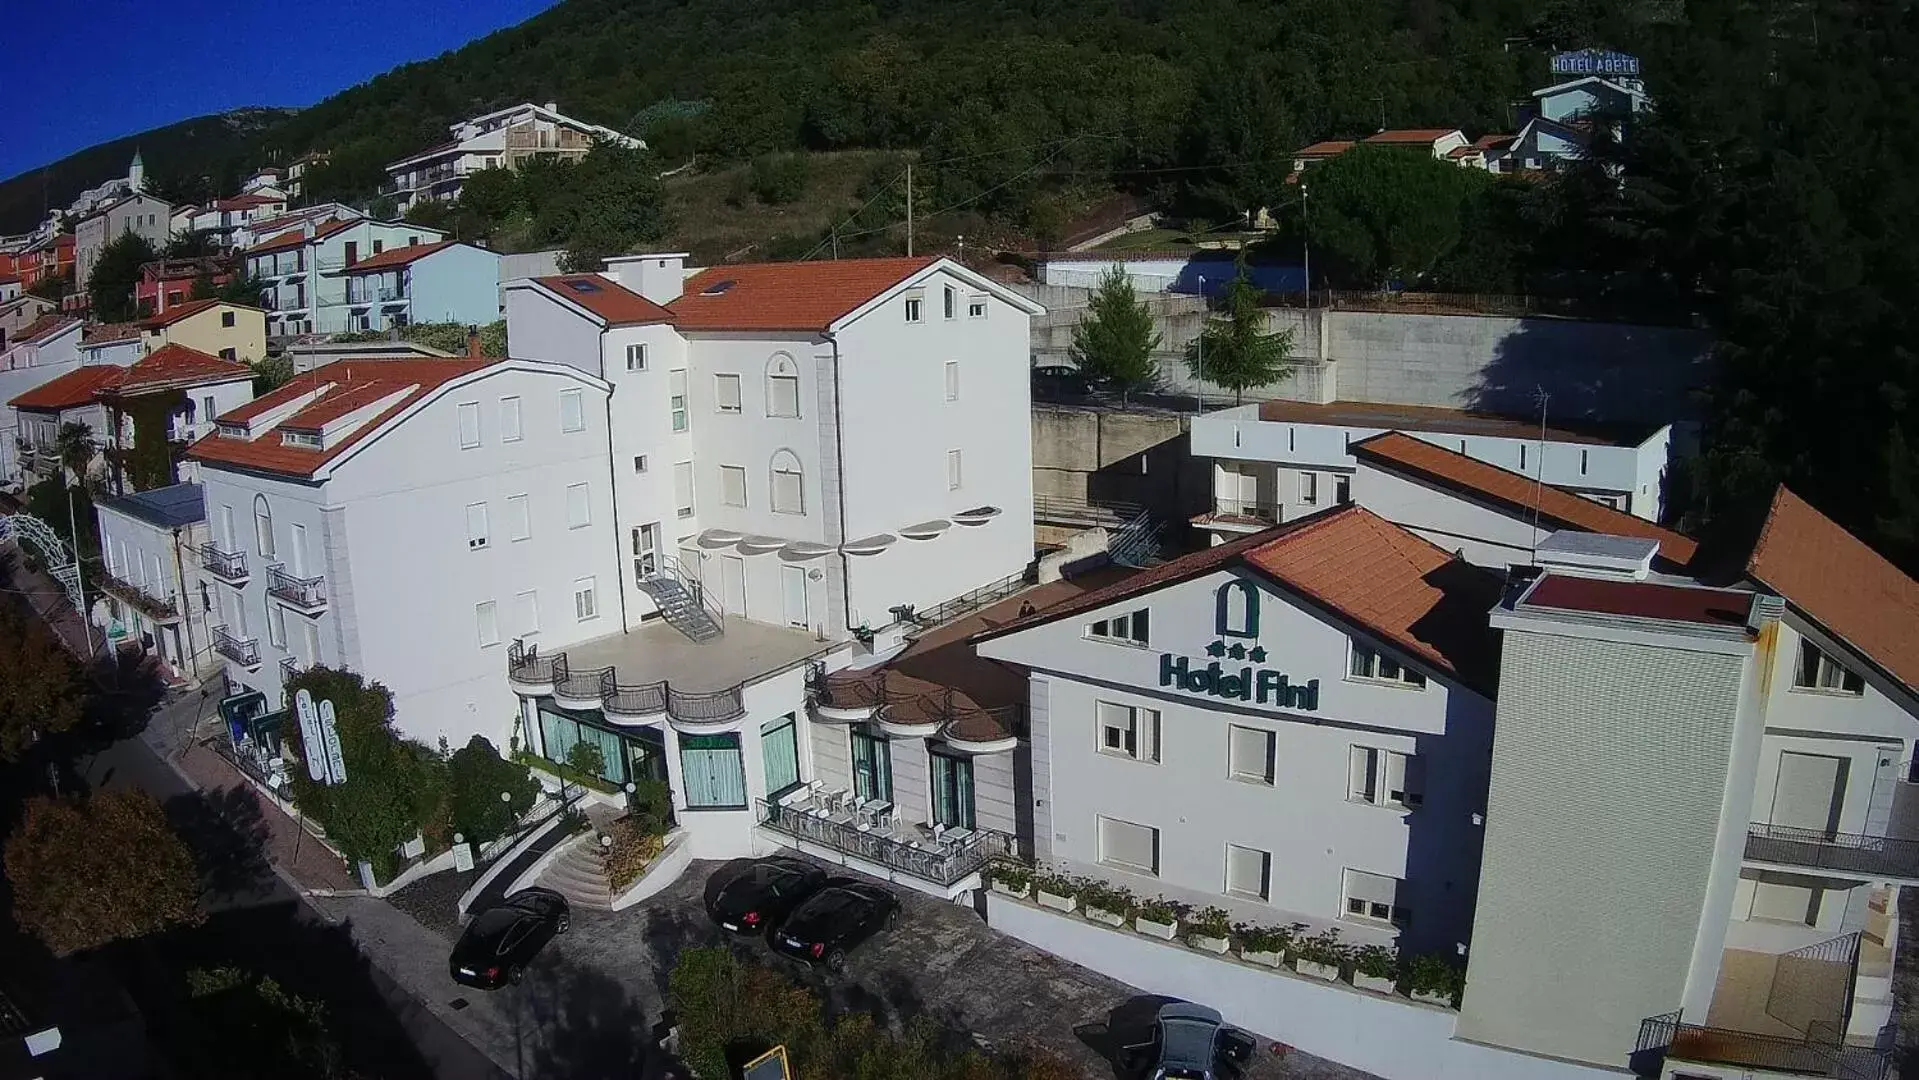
[[1113, 344], [1236, 352]]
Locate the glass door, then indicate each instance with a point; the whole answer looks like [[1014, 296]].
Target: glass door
[[872, 765], [952, 789], [780, 755]]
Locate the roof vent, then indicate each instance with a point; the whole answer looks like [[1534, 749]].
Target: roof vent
[[718, 288], [582, 285], [1766, 610], [1597, 555]]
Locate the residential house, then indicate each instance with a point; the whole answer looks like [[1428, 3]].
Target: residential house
[[40, 414], [180, 223], [1557, 124], [220, 327], [297, 170], [138, 213], [302, 272], [10, 288], [442, 281], [261, 230], [42, 351], [51, 256], [308, 355], [1440, 142], [167, 283], [224, 217], [112, 343], [198, 386], [19, 313], [500, 139], [268, 181], [153, 586]]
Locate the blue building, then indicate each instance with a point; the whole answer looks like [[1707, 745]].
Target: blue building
[[1557, 125], [445, 281]]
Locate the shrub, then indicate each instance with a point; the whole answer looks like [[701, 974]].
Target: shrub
[[778, 179], [1058, 884], [1322, 948], [476, 775], [1434, 973], [585, 758], [1158, 909], [1015, 876], [1210, 922], [634, 849], [652, 805], [395, 788], [1377, 961], [1273, 939], [1106, 897]]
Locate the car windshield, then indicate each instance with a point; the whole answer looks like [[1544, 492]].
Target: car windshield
[[1188, 1045], [494, 922]]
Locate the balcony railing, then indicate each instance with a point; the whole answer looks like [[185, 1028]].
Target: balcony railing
[[304, 592], [152, 607], [1246, 508], [529, 668], [242, 651], [227, 565], [929, 862], [1677, 1040], [1871, 857], [385, 295]]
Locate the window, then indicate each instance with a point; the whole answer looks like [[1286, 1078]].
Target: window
[[639, 463], [914, 301], [262, 527], [952, 380], [487, 616], [1374, 898], [586, 599], [277, 626], [1128, 846], [1309, 488], [572, 411], [1249, 754], [469, 412], [789, 491], [1249, 872], [782, 386], [476, 532], [579, 507], [676, 397], [732, 485], [509, 419], [206, 408], [976, 307], [953, 470], [229, 355], [226, 318], [1817, 670], [1342, 489], [636, 356], [1127, 731], [949, 301], [1585, 457], [1236, 610], [1131, 627], [526, 613], [712, 775], [726, 392], [1369, 663], [683, 489], [519, 522], [780, 754], [378, 246], [1383, 777]]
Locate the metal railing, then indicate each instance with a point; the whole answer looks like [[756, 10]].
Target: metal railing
[[1850, 853], [303, 591], [1671, 1036], [289, 667], [243, 651], [1247, 508], [147, 604], [528, 667], [376, 296], [943, 866], [1061, 508], [231, 565], [969, 601], [708, 707], [915, 703]]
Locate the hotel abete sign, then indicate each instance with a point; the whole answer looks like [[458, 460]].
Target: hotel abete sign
[[1247, 678]]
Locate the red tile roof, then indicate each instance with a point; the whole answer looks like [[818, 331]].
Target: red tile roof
[[69, 391], [1409, 135], [1516, 493], [355, 380], [1837, 581], [106, 333], [246, 202], [399, 256], [175, 365], [299, 239], [807, 296], [1326, 148], [42, 328], [189, 309], [612, 302]]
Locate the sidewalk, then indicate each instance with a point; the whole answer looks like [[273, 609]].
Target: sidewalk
[[288, 847]]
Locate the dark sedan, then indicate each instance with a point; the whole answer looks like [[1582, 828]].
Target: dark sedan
[[501, 941], [760, 897], [829, 923]]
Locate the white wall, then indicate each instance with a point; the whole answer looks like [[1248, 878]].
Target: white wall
[[1484, 536]]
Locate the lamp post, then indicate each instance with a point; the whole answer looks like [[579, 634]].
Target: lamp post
[[1306, 241], [1200, 388]]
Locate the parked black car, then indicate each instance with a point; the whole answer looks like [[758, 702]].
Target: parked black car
[[1059, 380], [763, 895], [501, 941], [829, 923]]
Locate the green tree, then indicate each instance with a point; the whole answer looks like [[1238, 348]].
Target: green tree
[[586, 759], [1114, 342], [262, 1029], [204, 288], [77, 448], [110, 287], [271, 372], [52, 286], [41, 692], [241, 290], [476, 777], [1377, 215], [618, 203], [1235, 351], [86, 872]]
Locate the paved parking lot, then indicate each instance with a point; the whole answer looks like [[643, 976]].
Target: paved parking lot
[[586, 1009]]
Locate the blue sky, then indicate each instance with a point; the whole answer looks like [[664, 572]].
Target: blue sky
[[87, 72]]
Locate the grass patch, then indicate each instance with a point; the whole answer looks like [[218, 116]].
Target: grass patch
[[717, 217]]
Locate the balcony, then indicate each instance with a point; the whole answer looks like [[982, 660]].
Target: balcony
[[1666, 1037], [228, 566], [126, 592], [1240, 516], [1853, 855], [242, 651], [289, 667], [303, 594], [599, 688], [905, 707], [892, 849], [390, 294]]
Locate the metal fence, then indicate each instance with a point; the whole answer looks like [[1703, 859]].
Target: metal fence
[[1855, 853], [1812, 987], [941, 865], [1669, 1036], [529, 667]]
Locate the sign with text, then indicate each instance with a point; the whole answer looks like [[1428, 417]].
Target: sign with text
[[1595, 62], [463, 857], [310, 742], [330, 736], [1263, 685]]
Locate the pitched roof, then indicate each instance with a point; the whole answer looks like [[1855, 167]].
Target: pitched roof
[[1409, 135], [809, 296], [1840, 583], [299, 239], [69, 391], [175, 365], [607, 299], [399, 256], [1325, 148], [1357, 566], [108, 333], [44, 327], [1366, 414], [246, 202], [186, 311], [360, 381], [1516, 492]]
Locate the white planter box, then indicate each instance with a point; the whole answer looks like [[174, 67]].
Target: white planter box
[[1021, 893], [1109, 918], [1328, 972], [1265, 959], [1164, 931], [1374, 983], [1217, 945], [1442, 1000], [1057, 902]]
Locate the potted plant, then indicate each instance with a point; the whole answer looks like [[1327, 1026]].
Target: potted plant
[[1104, 903], [1210, 930], [1375, 968], [1265, 945], [1011, 878], [1156, 918], [1319, 956], [1055, 890], [1434, 979]]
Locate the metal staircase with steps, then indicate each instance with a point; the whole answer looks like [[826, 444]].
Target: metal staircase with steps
[[686, 605], [1136, 542]]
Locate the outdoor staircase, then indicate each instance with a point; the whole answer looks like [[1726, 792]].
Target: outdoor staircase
[[1136, 542], [579, 871], [684, 604]]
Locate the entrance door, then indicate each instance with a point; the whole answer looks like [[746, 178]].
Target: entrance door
[[645, 754], [299, 559], [780, 755], [872, 764], [793, 591], [733, 584], [1809, 792], [646, 551], [226, 529], [952, 789]]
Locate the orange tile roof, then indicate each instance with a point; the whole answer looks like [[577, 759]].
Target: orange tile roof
[[341, 402], [399, 256], [1358, 567], [69, 391], [299, 239], [607, 299], [175, 365], [350, 379], [1326, 148], [1409, 135], [1840, 583], [1515, 492], [808, 296], [245, 202], [42, 328]]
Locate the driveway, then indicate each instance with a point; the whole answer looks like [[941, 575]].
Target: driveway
[[586, 1007]]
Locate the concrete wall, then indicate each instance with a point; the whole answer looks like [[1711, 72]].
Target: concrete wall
[[1139, 456]]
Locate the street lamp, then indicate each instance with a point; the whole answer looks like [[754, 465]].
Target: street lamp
[[1200, 389]]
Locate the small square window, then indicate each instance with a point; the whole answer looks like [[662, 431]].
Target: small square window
[[1817, 670], [1127, 731], [976, 307], [639, 463], [1249, 754], [1249, 872], [1134, 628], [726, 392], [226, 318], [636, 356], [913, 305]]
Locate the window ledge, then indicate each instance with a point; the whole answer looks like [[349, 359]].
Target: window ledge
[[1831, 692], [1391, 684], [1250, 781], [1126, 642]]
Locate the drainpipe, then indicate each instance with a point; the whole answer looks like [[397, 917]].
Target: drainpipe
[[192, 656], [613, 492], [839, 462]]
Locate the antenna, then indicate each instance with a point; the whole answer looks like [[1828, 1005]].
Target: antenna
[[1539, 467]]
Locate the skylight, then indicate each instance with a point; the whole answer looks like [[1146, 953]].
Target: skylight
[[581, 285], [718, 287]]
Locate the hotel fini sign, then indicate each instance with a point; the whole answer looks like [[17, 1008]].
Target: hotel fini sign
[[1237, 616]]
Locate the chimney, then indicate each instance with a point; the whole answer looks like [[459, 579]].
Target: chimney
[[657, 276], [473, 350], [552, 106]]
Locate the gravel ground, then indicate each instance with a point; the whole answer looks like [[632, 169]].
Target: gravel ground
[[434, 900]]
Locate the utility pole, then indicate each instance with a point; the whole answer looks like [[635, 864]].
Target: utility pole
[[79, 577], [909, 208], [1305, 238], [1200, 385]]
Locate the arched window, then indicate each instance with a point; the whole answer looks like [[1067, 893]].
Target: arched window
[[782, 386], [262, 527], [1237, 614], [789, 489]]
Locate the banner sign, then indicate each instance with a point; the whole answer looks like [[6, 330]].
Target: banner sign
[[330, 735], [311, 743], [1595, 62]]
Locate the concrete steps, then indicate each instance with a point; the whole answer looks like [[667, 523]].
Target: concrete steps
[[578, 872]]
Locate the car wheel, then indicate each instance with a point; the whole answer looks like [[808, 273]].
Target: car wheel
[[836, 962], [565, 925], [892, 917], [514, 974]]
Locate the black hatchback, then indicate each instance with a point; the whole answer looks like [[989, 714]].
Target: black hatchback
[[829, 923], [762, 895], [502, 940]]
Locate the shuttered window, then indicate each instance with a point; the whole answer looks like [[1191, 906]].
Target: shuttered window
[[726, 391], [1249, 872], [1374, 898], [579, 507], [732, 485], [469, 424], [1129, 846], [683, 489], [476, 528], [1249, 754]]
